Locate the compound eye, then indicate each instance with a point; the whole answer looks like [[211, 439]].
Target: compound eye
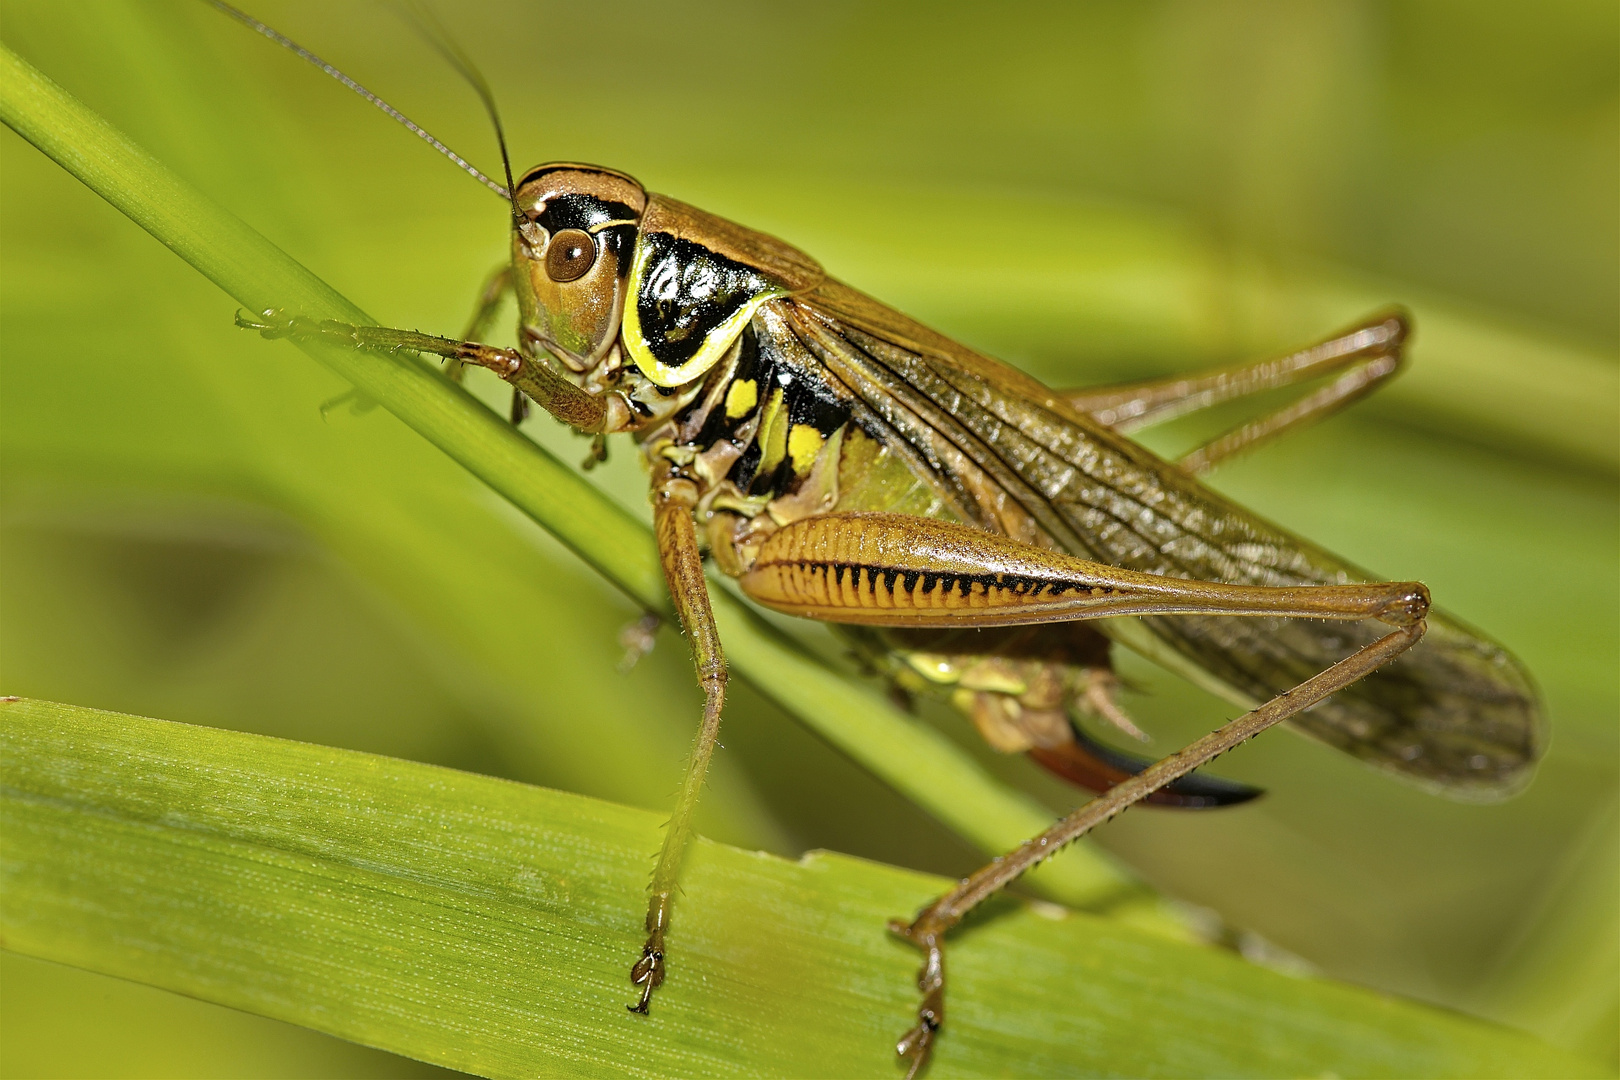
[[570, 255]]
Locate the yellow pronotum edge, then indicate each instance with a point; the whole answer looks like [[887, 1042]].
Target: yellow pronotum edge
[[714, 345]]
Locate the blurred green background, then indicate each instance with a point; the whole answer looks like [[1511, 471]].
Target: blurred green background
[[1093, 192]]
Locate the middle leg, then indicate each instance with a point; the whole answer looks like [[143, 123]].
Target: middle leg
[[673, 498]]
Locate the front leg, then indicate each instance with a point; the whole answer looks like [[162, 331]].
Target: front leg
[[673, 500], [548, 389]]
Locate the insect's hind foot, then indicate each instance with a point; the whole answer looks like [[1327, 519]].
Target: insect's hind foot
[[917, 1044]]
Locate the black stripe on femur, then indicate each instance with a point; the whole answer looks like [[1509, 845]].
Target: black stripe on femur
[[962, 584], [686, 292]]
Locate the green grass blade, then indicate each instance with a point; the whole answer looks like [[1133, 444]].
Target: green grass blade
[[916, 760], [483, 925]]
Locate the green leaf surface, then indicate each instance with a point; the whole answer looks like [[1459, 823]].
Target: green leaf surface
[[482, 925]]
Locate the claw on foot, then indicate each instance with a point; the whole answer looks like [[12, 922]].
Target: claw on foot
[[271, 322], [917, 1044], [647, 973]]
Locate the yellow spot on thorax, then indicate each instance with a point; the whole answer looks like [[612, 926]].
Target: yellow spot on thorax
[[742, 396], [804, 443]]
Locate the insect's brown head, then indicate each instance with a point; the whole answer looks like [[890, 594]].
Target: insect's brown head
[[571, 251]]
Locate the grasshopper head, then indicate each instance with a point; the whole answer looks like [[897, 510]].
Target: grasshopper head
[[571, 252]]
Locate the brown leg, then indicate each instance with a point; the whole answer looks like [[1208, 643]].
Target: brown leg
[[540, 382], [897, 570], [674, 499], [927, 931], [598, 454], [1369, 355], [357, 402]]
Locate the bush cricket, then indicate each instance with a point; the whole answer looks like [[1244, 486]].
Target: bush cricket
[[979, 534]]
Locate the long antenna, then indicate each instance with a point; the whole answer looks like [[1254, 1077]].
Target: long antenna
[[410, 125], [429, 26]]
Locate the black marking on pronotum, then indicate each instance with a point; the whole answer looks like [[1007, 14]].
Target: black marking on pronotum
[[576, 210], [686, 292]]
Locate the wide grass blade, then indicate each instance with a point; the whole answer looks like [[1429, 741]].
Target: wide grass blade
[[484, 925]]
